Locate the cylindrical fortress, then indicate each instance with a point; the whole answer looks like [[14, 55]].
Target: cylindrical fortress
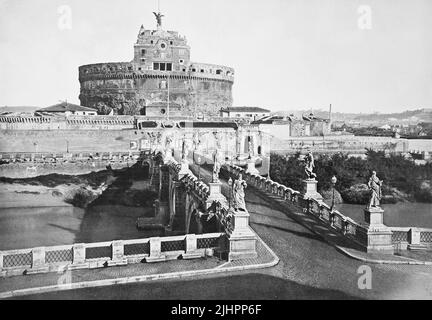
[[161, 66]]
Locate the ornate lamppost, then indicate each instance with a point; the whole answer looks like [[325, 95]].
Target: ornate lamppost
[[333, 181]]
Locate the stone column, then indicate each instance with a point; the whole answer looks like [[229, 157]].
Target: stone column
[[155, 251], [191, 247], [2, 272], [38, 261], [242, 240], [117, 256], [78, 257], [414, 240], [379, 236]]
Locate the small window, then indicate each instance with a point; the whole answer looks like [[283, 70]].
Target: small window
[[169, 67], [143, 52], [184, 70], [162, 66], [202, 70], [155, 66], [171, 43], [142, 60], [163, 111], [181, 61], [151, 42], [163, 45], [218, 71], [139, 68], [193, 70]]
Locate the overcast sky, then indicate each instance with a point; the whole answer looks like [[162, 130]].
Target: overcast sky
[[287, 54]]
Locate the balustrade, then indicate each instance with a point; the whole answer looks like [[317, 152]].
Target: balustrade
[[93, 255]]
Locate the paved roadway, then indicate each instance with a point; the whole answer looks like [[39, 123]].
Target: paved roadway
[[309, 269]]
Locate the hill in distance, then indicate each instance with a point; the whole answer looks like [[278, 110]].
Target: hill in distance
[[18, 109], [419, 115]]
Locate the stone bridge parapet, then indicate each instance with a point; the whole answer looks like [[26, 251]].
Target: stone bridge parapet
[[401, 238], [106, 254]]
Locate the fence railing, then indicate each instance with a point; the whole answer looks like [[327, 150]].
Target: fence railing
[[68, 157], [103, 254], [402, 237]]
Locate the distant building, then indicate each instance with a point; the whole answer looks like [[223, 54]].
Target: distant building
[[284, 127], [385, 127], [68, 109], [252, 113]]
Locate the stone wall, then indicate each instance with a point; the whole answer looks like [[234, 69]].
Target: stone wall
[[126, 90], [350, 143]]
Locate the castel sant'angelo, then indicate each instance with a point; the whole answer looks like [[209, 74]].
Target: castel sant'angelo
[[161, 67]]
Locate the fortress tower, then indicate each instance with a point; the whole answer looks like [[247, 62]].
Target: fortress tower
[[161, 66]]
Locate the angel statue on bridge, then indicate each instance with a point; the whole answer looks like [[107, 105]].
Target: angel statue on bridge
[[238, 194], [217, 164], [185, 150], [309, 166], [374, 185], [168, 147]]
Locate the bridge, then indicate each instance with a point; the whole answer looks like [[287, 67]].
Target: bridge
[[198, 213]]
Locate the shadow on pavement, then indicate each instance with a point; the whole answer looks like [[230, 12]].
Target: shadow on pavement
[[248, 287]]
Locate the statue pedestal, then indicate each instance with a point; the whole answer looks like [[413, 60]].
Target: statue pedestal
[[215, 193], [168, 156], [242, 240], [184, 170], [310, 190], [379, 236], [374, 216], [251, 167]]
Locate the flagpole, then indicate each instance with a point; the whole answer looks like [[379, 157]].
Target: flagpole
[[168, 103]]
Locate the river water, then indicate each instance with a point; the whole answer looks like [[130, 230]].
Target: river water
[[404, 214], [50, 226]]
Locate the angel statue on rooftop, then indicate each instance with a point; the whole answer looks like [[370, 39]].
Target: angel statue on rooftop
[[158, 18]]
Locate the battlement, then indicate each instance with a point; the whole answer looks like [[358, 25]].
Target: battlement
[[129, 70]]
